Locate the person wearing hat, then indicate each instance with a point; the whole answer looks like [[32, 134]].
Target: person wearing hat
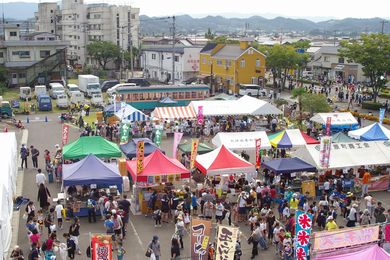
[[154, 246], [365, 218], [17, 253], [352, 216], [331, 224]]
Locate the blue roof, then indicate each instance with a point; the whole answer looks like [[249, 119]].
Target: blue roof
[[289, 165], [130, 148], [375, 133]]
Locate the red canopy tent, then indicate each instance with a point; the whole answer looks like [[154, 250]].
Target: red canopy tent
[[223, 161], [157, 164]]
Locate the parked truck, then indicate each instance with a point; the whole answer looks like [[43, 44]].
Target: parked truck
[[5, 109], [40, 90], [89, 84]]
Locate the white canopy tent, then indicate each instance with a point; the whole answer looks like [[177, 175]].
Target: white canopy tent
[[241, 140], [8, 169], [244, 106], [348, 155], [129, 114], [338, 119]]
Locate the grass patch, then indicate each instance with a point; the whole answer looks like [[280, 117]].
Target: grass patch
[[11, 94], [91, 118]]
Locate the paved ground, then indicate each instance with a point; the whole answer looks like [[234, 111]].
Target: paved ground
[[44, 135]]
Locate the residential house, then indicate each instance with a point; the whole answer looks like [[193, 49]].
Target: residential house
[[327, 64], [31, 59], [156, 62], [228, 65]]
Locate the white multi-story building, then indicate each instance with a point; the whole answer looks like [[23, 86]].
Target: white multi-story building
[[156, 62], [33, 58], [81, 24]]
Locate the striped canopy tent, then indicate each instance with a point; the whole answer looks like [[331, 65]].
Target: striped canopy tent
[[172, 113], [290, 138], [130, 114]]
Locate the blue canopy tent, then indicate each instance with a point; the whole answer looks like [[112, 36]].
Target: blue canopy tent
[[130, 148], [288, 165], [92, 170], [373, 132]]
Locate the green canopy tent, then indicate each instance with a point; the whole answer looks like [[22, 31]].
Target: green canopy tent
[[202, 148], [86, 145], [340, 137]]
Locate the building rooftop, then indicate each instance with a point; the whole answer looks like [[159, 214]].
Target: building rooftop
[[208, 48], [15, 43], [329, 50], [230, 52]]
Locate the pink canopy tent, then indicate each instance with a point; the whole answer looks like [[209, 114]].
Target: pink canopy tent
[[372, 253]]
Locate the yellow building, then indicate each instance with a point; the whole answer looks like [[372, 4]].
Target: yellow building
[[230, 65]]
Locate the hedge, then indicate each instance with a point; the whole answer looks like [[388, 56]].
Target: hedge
[[371, 105], [369, 117]]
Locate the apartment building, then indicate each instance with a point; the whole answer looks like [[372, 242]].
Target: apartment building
[[81, 24], [33, 58]]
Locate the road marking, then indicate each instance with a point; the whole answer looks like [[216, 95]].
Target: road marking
[[136, 235]]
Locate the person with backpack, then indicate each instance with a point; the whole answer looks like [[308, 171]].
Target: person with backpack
[[34, 253], [70, 245], [34, 156], [91, 205], [109, 225], [74, 232], [24, 153]]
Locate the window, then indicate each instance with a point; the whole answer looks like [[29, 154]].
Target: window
[[44, 54], [341, 60], [204, 60], [326, 58], [162, 56], [193, 94], [22, 75], [219, 62], [24, 54], [1, 55], [228, 63], [13, 34], [257, 63], [15, 53], [153, 56], [176, 58], [97, 16], [133, 16], [242, 63], [40, 38], [181, 95]]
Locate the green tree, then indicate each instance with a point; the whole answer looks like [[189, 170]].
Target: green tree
[[315, 103], [372, 51], [127, 55], [224, 39], [298, 94], [209, 35], [103, 52], [302, 44], [3, 79]]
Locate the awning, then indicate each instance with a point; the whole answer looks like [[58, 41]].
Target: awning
[[288, 165], [172, 113], [343, 120], [241, 140]]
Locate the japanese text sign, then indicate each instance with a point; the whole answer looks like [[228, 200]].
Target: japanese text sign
[[194, 151], [303, 226], [226, 243], [200, 236], [65, 134], [101, 247], [140, 156]]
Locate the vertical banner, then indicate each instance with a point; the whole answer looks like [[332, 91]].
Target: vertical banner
[[65, 134], [200, 237], [258, 157], [325, 146], [158, 135], [124, 131], [381, 115], [140, 156], [101, 247], [328, 124], [200, 115], [226, 242], [194, 151], [176, 140], [303, 227]]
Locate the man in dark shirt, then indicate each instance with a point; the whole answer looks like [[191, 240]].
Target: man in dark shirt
[[125, 204], [34, 156]]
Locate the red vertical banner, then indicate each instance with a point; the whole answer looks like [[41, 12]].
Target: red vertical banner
[[65, 134], [328, 123], [194, 152], [200, 237], [101, 247], [258, 157], [140, 156], [200, 115]]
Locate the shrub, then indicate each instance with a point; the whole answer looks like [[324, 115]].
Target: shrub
[[371, 105]]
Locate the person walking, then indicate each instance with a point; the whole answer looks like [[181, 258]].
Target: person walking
[[379, 213], [24, 153], [365, 181], [40, 178], [154, 246], [91, 205], [70, 245], [58, 209], [43, 196], [74, 232], [175, 249], [30, 210], [120, 252], [180, 230], [34, 156]]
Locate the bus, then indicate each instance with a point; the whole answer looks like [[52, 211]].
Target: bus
[[148, 98]]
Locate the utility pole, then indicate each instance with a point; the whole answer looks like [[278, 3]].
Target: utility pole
[[130, 39], [173, 48], [383, 26]]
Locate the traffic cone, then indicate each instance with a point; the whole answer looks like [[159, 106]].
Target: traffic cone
[[28, 120], [5, 130], [46, 119]]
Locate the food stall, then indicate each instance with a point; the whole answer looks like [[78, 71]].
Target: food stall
[[350, 157], [88, 174], [130, 148], [159, 172], [339, 121]]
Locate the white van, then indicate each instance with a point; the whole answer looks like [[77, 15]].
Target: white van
[[25, 93], [250, 90], [55, 89], [40, 90], [97, 99], [62, 101], [76, 97], [72, 88]]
